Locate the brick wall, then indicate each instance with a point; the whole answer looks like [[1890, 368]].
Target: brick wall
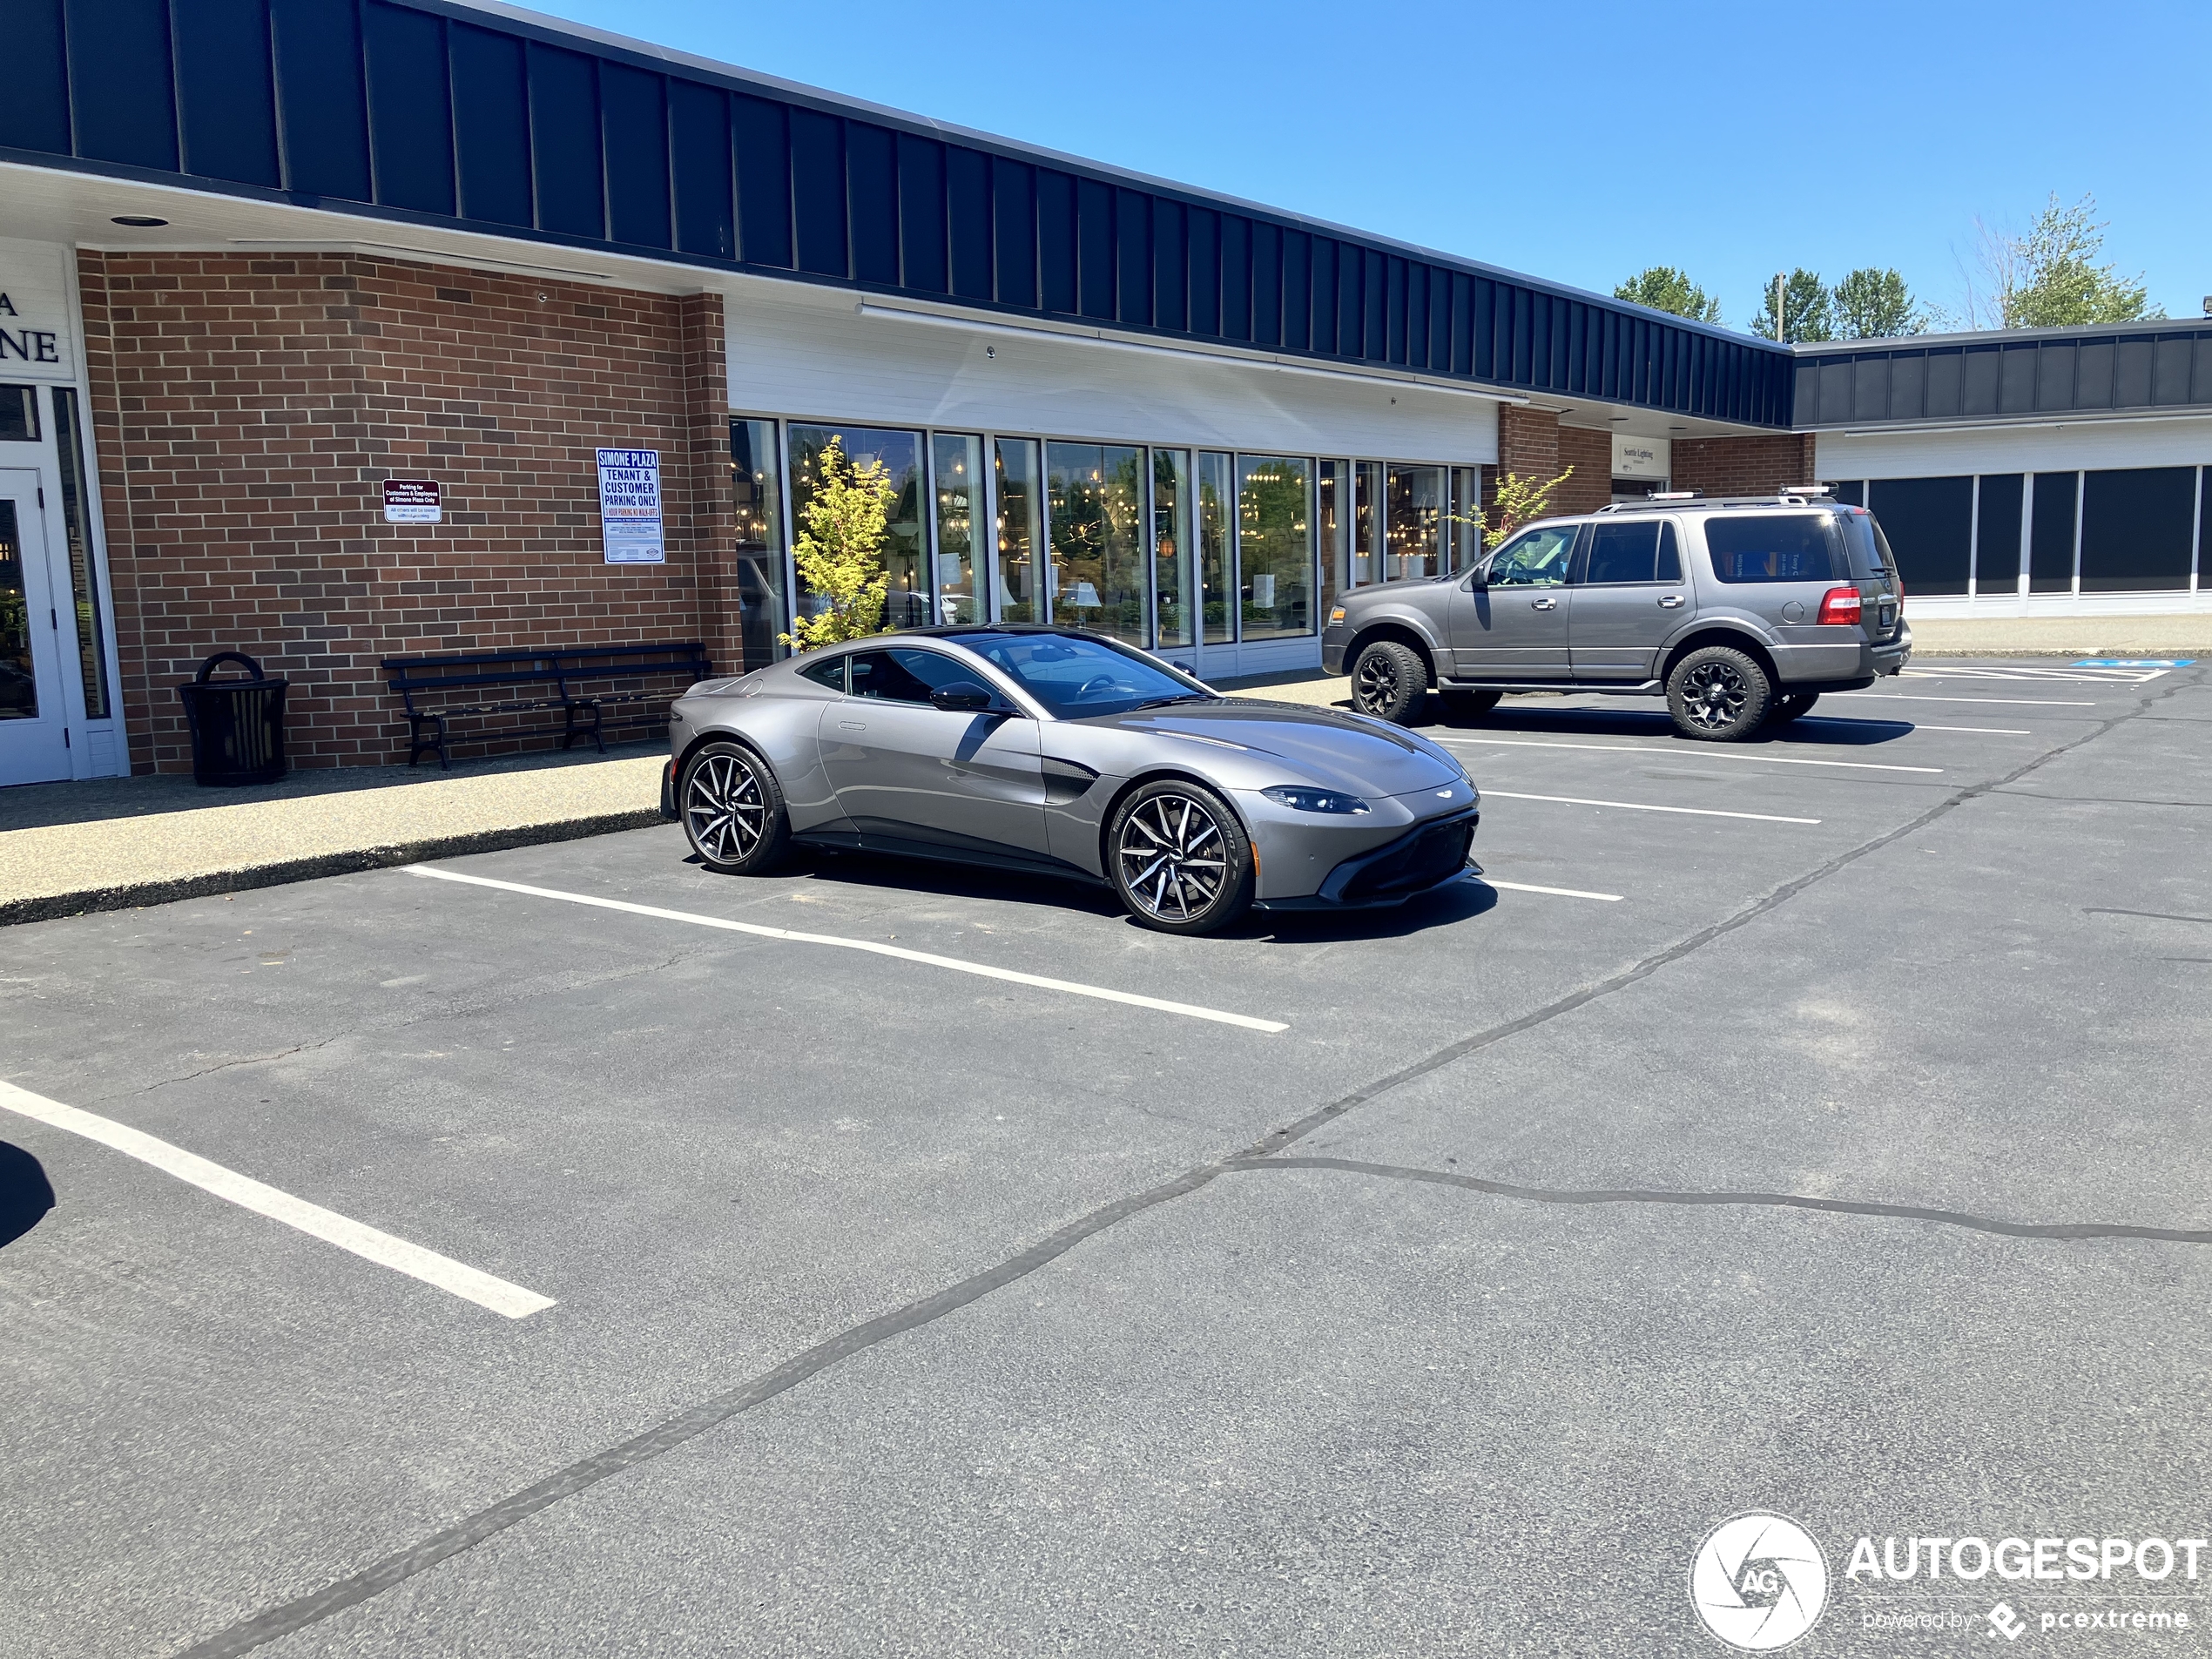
[[247, 409], [1533, 443], [1591, 456], [1748, 466]]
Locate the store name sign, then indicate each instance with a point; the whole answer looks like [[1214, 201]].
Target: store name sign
[[32, 345], [1640, 457]]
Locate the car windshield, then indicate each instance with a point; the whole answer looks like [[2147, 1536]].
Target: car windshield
[[1073, 677]]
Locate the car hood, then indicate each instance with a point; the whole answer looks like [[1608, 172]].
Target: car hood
[[1326, 746]]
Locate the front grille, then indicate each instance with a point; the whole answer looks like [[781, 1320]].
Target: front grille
[[1421, 859]]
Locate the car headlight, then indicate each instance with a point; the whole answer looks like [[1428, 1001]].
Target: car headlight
[[1298, 797], [1336, 616]]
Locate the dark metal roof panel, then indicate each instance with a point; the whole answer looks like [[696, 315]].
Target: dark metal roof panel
[[2104, 368]]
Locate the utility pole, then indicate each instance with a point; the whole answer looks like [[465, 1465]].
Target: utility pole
[[1781, 334]]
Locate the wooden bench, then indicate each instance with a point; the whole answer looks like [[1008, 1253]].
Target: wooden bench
[[583, 683]]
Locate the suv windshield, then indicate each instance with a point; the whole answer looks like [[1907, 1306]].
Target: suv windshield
[[1073, 677]]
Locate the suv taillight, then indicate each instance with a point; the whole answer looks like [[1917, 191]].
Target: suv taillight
[[1839, 608]]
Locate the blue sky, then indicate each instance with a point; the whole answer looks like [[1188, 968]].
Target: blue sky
[[1575, 141]]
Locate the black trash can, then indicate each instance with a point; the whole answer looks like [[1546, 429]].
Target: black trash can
[[237, 725]]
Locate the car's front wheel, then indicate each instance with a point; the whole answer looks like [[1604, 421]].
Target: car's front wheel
[[1389, 680], [1719, 694], [1179, 859], [732, 811]]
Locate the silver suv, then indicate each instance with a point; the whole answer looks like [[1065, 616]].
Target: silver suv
[[1739, 612]]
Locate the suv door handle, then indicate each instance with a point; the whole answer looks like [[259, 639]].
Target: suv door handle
[[1544, 604], [851, 725], [1672, 602]]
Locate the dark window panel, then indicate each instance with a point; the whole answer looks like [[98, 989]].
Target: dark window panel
[[1170, 265], [2204, 528], [633, 117], [2055, 365], [817, 191], [1945, 372], [1324, 261], [35, 113], [1057, 241], [1297, 290], [2016, 379], [1375, 282], [1462, 357], [1851, 492], [762, 140], [967, 205], [1236, 277], [1997, 533], [1351, 304], [1393, 316], [2131, 375], [491, 125], [700, 143], [2136, 526], [1908, 386], [2170, 374], [1095, 248], [120, 84], [319, 99], [1267, 284], [2051, 536], [923, 215], [1930, 525], [1205, 270], [2093, 378], [564, 142], [1133, 247], [1014, 210], [410, 123], [224, 93], [1483, 311], [872, 184]]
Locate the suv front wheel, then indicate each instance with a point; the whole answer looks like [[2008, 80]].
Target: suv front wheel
[[1390, 681], [1718, 694]]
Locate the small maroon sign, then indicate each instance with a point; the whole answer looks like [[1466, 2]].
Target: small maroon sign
[[412, 501]]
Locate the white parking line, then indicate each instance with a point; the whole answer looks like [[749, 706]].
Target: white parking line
[[1993, 702], [464, 1281], [1644, 806], [1556, 893], [1072, 988], [1706, 753], [1985, 730]]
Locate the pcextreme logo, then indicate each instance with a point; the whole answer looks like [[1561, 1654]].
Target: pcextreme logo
[[1758, 1581]]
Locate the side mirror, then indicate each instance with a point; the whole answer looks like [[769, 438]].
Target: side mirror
[[961, 696], [1478, 579]]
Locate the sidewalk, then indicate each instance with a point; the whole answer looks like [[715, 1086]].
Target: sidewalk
[[112, 843]]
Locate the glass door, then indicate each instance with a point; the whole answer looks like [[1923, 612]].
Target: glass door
[[1020, 518], [33, 738], [956, 468]]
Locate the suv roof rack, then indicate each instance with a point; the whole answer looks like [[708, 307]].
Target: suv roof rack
[[1675, 500]]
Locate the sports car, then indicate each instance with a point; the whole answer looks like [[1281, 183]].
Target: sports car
[[1063, 752]]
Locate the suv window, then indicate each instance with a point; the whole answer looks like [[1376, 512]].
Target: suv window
[[1632, 552], [904, 674], [1794, 547], [1537, 559], [1870, 551], [830, 673]]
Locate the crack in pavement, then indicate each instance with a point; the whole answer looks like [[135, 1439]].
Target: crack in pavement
[[1768, 1200], [696, 1420]]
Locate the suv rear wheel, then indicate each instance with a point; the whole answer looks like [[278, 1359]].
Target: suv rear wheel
[[1718, 694], [1389, 680]]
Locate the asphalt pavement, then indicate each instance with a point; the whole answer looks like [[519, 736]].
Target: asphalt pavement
[[938, 1264]]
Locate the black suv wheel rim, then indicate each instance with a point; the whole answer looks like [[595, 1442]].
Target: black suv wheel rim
[[1376, 688], [1174, 858], [1713, 695], [724, 811]]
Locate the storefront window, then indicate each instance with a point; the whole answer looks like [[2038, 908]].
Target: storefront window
[[76, 524], [1367, 524], [1275, 545], [907, 596], [1415, 521], [1021, 508], [1330, 522], [764, 608], [1467, 517], [1215, 490], [957, 481], [1173, 579], [18, 673], [1095, 495]]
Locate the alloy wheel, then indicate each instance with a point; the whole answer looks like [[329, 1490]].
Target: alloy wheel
[[724, 808], [1713, 695], [1377, 687], [1174, 858]]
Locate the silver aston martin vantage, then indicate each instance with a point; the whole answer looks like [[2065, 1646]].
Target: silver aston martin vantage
[[1066, 753]]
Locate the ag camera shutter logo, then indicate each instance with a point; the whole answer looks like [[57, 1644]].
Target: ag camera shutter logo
[[1759, 1581]]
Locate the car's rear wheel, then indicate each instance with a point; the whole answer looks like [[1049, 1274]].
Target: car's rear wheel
[[1179, 859], [732, 811], [1790, 705], [1718, 694], [1465, 708], [1389, 680]]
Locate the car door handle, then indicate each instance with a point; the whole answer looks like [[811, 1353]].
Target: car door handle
[[1672, 602], [851, 725], [1544, 604]]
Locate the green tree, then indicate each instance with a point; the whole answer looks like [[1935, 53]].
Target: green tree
[[2052, 277], [840, 553], [1872, 304], [1807, 309], [1520, 500], [1664, 288]]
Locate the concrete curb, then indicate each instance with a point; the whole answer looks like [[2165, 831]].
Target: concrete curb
[[135, 896]]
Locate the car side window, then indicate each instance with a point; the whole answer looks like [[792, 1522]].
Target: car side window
[[1793, 547], [1620, 553], [1538, 559], [903, 674], [830, 672], [1669, 553]]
